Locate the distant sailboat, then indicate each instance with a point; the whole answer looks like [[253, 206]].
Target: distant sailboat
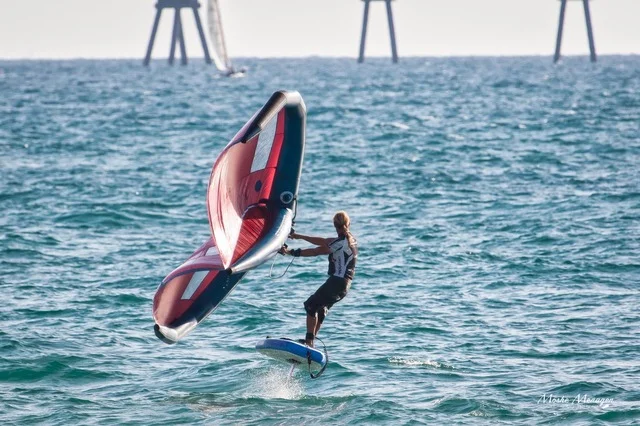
[[219, 48]]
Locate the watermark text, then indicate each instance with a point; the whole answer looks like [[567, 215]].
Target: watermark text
[[579, 399]]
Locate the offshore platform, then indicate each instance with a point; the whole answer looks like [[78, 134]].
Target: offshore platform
[[177, 36], [223, 62]]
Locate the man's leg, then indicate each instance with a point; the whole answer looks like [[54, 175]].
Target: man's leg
[[312, 324], [321, 314]]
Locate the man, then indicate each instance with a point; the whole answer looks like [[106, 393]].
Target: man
[[343, 252]]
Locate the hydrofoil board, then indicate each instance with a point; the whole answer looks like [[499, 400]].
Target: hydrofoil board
[[294, 352]]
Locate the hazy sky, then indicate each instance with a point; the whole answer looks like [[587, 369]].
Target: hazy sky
[[121, 28]]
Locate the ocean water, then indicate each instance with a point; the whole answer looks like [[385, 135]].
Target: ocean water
[[496, 202]]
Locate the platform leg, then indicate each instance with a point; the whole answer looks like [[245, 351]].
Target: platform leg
[[147, 57], [183, 48], [203, 39], [174, 35], [563, 8], [587, 17], [392, 33], [364, 31]]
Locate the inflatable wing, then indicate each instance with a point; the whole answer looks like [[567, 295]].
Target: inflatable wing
[[251, 201]]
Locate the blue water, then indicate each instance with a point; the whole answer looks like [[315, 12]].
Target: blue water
[[496, 202]]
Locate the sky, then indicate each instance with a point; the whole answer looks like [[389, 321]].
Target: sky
[[56, 29]]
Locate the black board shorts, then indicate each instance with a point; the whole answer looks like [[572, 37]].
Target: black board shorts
[[333, 290]]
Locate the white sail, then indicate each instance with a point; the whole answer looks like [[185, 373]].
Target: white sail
[[218, 46]]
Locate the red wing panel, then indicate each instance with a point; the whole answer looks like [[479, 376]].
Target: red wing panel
[[181, 288], [177, 295], [253, 225], [242, 176]]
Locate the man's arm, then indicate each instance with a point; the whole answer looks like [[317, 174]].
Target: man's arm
[[310, 252], [319, 241], [316, 251]]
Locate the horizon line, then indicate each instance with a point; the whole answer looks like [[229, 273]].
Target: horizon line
[[201, 58]]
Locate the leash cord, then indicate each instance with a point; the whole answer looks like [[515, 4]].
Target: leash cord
[[285, 271]]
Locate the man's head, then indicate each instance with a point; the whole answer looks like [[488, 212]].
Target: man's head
[[341, 221]]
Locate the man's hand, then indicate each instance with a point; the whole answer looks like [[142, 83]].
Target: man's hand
[[284, 250]]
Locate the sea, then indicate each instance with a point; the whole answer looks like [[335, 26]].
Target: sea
[[495, 200]]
